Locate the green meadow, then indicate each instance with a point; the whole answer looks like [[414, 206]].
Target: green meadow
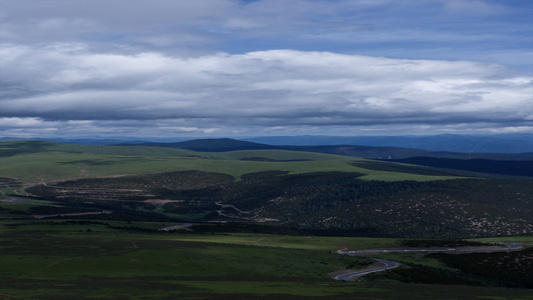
[[296, 242], [88, 262], [51, 162]]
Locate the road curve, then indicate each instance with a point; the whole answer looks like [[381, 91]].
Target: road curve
[[175, 227], [388, 265], [392, 264]]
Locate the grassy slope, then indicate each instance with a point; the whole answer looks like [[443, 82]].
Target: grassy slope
[[50, 162], [447, 208], [84, 259], [295, 242], [27, 147], [62, 261], [56, 261]]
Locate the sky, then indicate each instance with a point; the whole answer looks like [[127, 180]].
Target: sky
[[236, 68]]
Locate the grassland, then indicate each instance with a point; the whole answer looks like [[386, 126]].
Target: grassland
[[91, 260], [239, 199], [51, 162], [295, 242]]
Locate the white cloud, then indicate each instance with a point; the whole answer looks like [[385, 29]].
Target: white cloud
[[266, 88], [472, 7], [407, 28], [15, 122], [214, 66]]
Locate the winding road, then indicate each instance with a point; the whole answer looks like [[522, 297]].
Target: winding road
[[175, 227], [388, 265]]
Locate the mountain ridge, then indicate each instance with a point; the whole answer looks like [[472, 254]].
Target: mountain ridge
[[498, 143], [463, 143], [373, 152]]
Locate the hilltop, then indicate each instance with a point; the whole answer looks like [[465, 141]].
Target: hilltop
[[212, 145], [509, 143], [373, 152], [497, 163]]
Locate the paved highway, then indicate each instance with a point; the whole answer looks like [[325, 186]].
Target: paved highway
[[392, 264], [504, 247], [388, 265]]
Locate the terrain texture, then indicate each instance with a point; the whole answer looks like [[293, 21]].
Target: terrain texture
[[144, 221]]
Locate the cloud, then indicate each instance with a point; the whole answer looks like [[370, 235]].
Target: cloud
[[275, 88], [265, 66], [472, 7], [394, 28]]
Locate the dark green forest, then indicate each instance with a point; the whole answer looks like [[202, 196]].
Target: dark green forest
[[334, 202]]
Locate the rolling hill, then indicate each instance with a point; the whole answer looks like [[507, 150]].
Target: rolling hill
[[212, 145], [516, 168], [272, 190], [509, 143], [373, 152]]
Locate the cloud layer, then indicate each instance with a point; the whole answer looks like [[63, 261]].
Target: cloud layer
[[266, 88], [224, 67]]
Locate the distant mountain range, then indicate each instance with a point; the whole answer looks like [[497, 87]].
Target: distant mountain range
[[496, 163], [222, 145], [496, 143], [212, 145]]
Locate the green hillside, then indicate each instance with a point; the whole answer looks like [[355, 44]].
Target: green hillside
[[13, 148], [273, 190], [43, 162], [213, 145], [80, 259]]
